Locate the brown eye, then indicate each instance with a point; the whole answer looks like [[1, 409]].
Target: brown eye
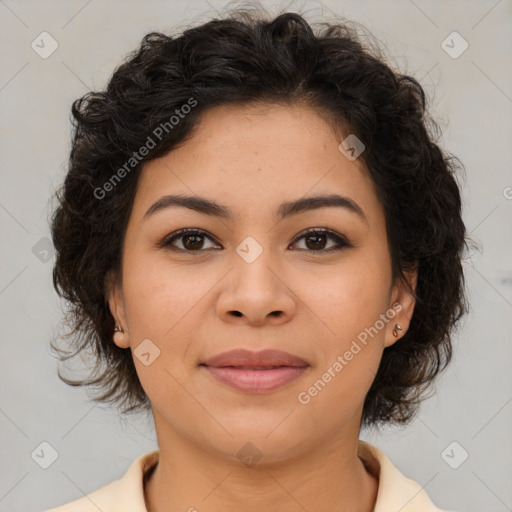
[[317, 239], [192, 240]]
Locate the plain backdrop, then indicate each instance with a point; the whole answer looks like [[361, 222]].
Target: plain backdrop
[[471, 96]]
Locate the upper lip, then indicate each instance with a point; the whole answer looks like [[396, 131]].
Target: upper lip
[[242, 357]]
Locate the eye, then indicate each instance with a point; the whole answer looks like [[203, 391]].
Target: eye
[[192, 240], [316, 240]]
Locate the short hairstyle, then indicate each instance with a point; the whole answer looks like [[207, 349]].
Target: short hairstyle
[[245, 57]]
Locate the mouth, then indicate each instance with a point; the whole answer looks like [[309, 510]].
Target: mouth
[[256, 380], [255, 372]]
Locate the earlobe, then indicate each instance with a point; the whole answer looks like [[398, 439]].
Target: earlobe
[[114, 299], [120, 338], [404, 301]]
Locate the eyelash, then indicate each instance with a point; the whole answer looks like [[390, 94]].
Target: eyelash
[[342, 242]]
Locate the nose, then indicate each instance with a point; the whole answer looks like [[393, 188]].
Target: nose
[[256, 293]]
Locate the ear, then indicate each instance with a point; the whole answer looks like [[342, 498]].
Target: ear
[[115, 300], [402, 303]]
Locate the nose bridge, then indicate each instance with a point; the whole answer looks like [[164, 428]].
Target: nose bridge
[[253, 259], [254, 289]]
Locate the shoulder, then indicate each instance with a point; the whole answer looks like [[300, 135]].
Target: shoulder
[[125, 494], [395, 492]]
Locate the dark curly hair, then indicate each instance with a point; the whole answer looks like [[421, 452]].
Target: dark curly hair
[[246, 56]]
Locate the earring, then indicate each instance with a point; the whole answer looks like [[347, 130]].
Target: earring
[[118, 334], [395, 333]]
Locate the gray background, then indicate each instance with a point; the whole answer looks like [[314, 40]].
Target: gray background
[[472, 98]]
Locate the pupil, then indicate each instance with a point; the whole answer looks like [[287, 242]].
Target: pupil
[[315, 244], [198, 241], [318, 241]]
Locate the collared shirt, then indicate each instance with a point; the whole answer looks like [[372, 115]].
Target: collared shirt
[[396, 493]]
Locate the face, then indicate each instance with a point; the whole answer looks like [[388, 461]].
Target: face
[[257, 280]]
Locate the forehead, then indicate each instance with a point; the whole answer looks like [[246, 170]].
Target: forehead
[[257, 154], [271, 130]]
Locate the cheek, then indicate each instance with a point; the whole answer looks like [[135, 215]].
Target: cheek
[[160, 313], [350, 298], [163, 303], [349, 350], [161, 295], [348, 308]]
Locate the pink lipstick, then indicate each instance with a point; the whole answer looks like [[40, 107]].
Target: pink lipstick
[[256, 372]]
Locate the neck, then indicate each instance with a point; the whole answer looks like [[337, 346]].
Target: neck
[[330, 477]]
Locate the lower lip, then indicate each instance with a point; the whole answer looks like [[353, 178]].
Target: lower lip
[[256, 381]]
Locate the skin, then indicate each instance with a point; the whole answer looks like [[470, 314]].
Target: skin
[[251, 159]]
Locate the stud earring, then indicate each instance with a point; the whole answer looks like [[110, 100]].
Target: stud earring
[[395, 333], [118, 334]]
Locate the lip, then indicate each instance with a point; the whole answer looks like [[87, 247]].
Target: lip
[[255, 372], [242, 357]]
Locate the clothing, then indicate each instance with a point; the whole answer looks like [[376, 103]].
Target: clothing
[[396, 493]]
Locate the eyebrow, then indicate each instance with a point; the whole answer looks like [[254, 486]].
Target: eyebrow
[[286, 209]]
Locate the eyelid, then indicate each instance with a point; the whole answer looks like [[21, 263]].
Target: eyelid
[[341, 240], [166, 242], [323, 231]]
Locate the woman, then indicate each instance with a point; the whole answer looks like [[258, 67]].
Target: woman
[[262, 243]]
